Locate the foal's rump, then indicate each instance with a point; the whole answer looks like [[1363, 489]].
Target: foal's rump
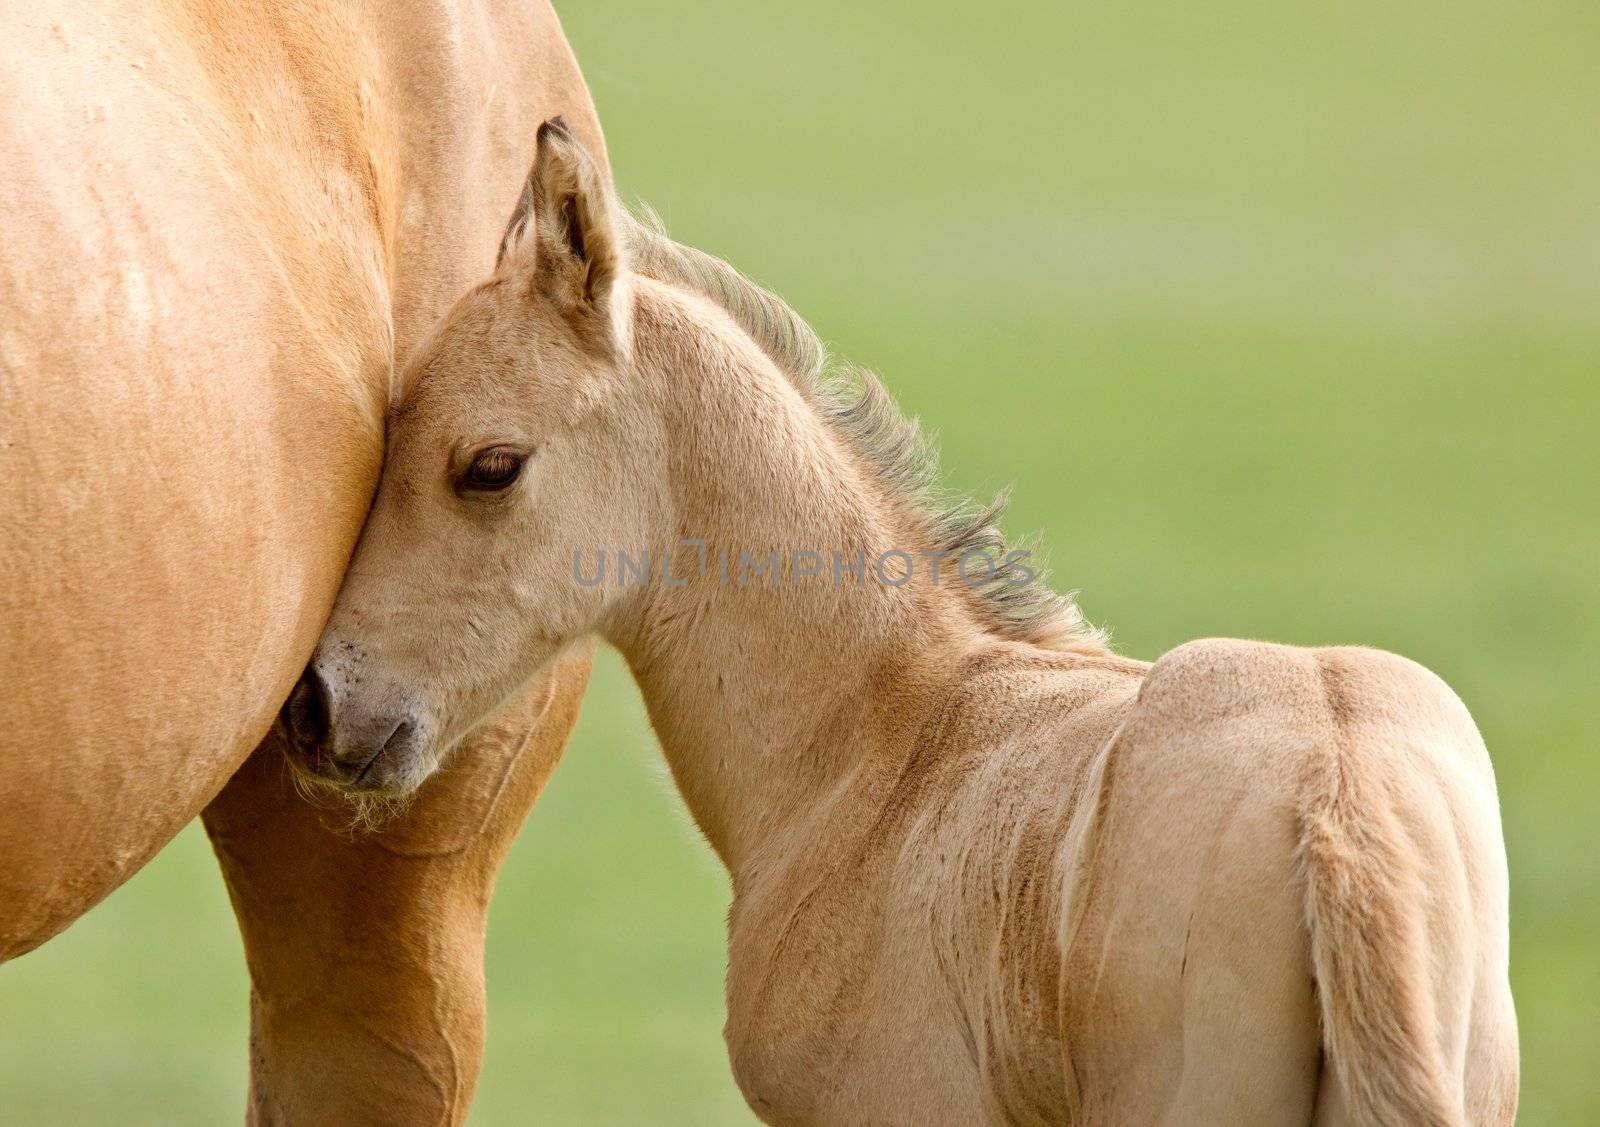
[[1406, 896], [1294, 900]]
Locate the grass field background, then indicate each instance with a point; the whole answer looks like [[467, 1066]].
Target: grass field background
[[1283, 320]]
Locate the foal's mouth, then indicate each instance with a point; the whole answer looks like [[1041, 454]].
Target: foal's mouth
[[383, 774]]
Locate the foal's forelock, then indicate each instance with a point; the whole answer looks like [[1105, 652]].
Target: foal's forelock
[[853, 403]]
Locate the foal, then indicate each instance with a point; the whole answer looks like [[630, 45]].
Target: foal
[[983, 869]]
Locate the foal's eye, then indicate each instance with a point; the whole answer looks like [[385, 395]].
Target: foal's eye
[[493, 470]]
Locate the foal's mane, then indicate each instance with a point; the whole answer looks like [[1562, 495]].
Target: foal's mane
[[854, 404]]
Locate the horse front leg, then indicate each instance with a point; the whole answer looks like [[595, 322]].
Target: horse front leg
[[365, 949]]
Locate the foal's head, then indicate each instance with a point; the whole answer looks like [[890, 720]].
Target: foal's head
[[506, 455], [535, 432]]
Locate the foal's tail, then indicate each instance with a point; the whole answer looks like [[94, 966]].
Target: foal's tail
[[1370, 945]]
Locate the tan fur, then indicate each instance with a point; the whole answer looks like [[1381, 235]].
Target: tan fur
[[976, 878], [223, 224]]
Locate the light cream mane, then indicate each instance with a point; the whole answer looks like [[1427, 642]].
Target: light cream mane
[[854, 403]]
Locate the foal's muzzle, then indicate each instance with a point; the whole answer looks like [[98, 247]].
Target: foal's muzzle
[[354, 732]]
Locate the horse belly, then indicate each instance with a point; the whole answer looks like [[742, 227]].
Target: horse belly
[[191, 400]]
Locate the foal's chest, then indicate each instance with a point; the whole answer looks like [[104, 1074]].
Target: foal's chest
[[851, 1042], [839, 1012]]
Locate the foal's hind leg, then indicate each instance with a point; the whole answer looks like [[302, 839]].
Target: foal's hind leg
[[366, 950]]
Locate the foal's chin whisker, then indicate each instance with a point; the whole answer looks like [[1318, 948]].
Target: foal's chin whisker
[[360, 812]]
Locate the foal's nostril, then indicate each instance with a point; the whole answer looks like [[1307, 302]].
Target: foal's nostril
[[307, 710]]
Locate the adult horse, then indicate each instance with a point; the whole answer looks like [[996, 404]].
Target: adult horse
[[222, 225]]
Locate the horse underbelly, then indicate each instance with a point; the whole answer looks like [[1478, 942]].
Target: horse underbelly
[[191, 404]]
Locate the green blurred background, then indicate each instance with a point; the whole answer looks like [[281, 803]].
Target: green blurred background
[[1282, 317]]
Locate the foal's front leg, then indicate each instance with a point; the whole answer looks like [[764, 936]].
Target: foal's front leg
[[366, 951]]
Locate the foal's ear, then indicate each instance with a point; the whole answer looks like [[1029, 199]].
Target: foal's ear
[[565, 226]]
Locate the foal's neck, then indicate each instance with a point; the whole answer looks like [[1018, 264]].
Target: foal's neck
[[772, 694]]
